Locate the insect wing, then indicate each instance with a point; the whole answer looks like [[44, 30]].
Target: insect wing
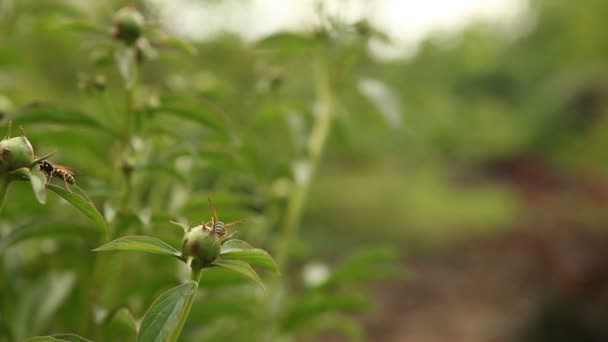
[[215, 217], [233, 223], [67, 169]]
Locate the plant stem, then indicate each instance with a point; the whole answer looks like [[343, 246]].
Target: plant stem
[[305, 170], [4, 182], [132, 125], [195, 276]]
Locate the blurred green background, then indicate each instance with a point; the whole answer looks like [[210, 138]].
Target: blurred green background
[[478, 156]]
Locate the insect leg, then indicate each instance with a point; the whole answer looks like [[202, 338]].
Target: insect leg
[[65, 181]]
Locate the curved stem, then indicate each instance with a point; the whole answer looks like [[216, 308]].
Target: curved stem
[[305, 169], [4, 182], [195, 276]]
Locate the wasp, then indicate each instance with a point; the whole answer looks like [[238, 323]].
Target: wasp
[[217, 226], [51, 170]]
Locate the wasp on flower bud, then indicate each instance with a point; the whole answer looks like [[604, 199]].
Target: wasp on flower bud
[[51, 170], [218, 226], [203, 242]]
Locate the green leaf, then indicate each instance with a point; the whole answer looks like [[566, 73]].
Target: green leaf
[[70, 337], [45, 113], [254, 256], [239, 267], [174, 42], [140, 243], [82, 203], [127, 67], [287, 43], [374, 263], [199, 114], [38, 181], [83, 27], [384, 99], [239, 307], [120, 326], [215, 277], [40, 301], [235, 244], [38, 229], [58, 337], [161, 321]]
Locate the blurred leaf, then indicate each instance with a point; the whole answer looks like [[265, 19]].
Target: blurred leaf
[[38, 304], [177, 43], [162, 318], [70, 337], [235, 244], [239, 267], [199, 114], [216, 308], [287, 43], [5, 332], [215, 277], [83, 27], [384, 99], [44, 339], [121, 326], [127, 65], [82, 203], [371, 264], [254, 256], [140, 243], [41, 229], [309, 307], [46, 113], [38, 181]]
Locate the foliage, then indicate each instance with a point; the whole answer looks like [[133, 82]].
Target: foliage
[[154, 127]]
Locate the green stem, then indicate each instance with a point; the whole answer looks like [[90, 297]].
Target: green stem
[[308, 167], [132, 125], [195, 275], [4, 182]]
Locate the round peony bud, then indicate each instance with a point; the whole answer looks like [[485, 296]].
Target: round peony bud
[[129, 25], [202, 244], [16, 153]]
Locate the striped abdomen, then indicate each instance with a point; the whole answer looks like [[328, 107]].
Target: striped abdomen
[[63, 174], [219, 228]]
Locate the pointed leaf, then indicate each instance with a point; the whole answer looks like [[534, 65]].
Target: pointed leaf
[[38, 181], [46, 113], [254, 256], [140, 243], [79, 200], [70, 338], [177, 43], [83, 27], [39, 303], [161, 321], [37, 229], [234, 244], [201, 115], [239, 267]]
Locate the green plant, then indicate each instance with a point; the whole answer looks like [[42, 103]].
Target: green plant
[[154, 137]]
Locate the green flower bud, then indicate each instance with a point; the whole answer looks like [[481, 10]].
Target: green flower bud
[[16, 153], [202, 244], [129, 25]]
